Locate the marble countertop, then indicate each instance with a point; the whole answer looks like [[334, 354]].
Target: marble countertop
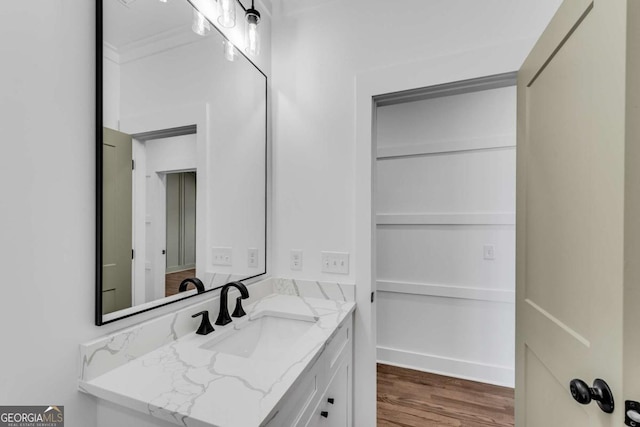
[[191, 386]]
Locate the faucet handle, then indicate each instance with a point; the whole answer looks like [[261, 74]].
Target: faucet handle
[[239, 311], [205, 326]]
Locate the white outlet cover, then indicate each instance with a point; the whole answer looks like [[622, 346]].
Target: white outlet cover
[[295, 260], [252, 261], [489, 252]]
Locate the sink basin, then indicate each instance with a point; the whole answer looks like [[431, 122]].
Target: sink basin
[[265, 336]]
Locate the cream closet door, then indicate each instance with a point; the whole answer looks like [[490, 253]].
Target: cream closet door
[[116, 221], [571, 231]]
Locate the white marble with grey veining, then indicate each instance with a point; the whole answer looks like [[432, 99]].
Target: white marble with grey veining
[[315, 289], [190, 386], [108, 352]]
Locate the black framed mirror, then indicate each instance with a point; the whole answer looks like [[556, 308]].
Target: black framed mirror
[[181, 157]]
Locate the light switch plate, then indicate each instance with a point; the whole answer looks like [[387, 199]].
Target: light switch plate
[[221, 256], [335, 262], [252, 261], [296, 259]]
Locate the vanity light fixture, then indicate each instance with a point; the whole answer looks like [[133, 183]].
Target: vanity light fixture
[[252, 18], [227, 19], [200, 24], [229, 50], [227, 16]]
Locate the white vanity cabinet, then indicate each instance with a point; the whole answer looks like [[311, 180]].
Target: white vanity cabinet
[[322, 396], [334, 408]]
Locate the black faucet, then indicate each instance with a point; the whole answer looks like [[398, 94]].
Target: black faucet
[[193, 280], [223, 316]]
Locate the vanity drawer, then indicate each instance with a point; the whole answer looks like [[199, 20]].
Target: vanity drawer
[[297, 401], [333, 409], [337, 345]]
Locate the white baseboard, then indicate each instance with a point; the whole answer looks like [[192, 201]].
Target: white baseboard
[[456, 368]]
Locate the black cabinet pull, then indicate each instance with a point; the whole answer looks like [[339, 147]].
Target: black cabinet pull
[[330, 400], [324, 414]]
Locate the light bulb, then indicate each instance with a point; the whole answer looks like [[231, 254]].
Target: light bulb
[[163, 1], [253, 39], [200, 24], [229, 50], [252, 32], [227, 16]]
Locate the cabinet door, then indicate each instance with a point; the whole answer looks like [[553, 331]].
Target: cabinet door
[[335, 414]]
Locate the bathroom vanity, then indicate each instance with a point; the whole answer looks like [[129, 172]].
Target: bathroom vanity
[[288, 362]]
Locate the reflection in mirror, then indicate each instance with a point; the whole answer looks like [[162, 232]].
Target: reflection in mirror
[[182, 161]]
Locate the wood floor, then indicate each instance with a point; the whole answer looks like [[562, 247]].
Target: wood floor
[[414, 398], [173, 280]]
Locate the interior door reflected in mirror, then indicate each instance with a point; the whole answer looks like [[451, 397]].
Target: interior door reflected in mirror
[[181, 157]]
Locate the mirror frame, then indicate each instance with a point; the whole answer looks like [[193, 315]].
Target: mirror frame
[[99, 173]]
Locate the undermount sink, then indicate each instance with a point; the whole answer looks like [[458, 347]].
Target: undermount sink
[[264, 336]]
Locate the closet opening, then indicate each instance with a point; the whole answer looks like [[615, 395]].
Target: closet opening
[[444, 205]]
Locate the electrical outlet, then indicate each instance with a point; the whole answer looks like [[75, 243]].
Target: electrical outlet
[[335, 262], [253, 258], [296, 259], [222, 256], [489, 252]]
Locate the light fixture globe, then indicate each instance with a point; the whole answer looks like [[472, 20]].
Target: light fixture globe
[[200, 24], [252, 19], [227, 12]]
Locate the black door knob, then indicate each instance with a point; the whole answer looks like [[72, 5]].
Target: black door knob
[[600, 392], [580, 391]]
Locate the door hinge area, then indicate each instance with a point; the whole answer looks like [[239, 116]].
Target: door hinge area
[[133, 164], [133, 253]]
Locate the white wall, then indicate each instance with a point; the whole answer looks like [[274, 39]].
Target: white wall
[[47, 220], [111, 88], [446, 191]]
